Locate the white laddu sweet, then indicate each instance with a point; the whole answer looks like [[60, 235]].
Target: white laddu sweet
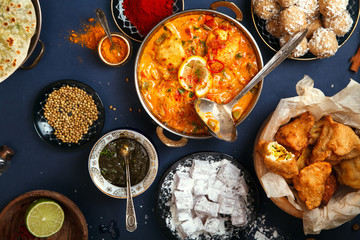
[[200, 187], [212, 225], [202, 205], [190, 226], [183, 215], [226, 204], [229, 174], [238, 216], [183, 200], [183, 181], [201, 169]]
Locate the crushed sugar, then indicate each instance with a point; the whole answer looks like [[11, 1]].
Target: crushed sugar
[[262, 231]]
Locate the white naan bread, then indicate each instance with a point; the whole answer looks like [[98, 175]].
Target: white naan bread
[[17, 26]]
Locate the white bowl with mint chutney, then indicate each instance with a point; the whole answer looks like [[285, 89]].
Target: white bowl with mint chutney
[[106, 166]]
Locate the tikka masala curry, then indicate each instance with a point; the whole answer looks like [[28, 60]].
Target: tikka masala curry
[[230, 63]]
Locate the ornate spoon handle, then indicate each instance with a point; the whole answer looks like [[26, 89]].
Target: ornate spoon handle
[[131, 223]]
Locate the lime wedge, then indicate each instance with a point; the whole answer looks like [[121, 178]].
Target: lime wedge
[[44, 218]]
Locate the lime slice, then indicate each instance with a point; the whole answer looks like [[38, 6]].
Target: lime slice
[[44, 218]]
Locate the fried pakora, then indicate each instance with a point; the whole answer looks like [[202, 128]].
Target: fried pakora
[[316, 131], [348, 172], [336, 143], [331, 184], [295, 135], [310, 183], [303, 159], [278, 160], [305, 152]]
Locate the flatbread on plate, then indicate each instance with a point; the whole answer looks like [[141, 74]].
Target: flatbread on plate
[[17, 26]]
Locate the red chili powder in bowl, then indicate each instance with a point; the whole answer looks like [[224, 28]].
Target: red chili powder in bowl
[[145, 14]]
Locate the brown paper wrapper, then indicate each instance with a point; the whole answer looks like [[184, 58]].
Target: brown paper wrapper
[[344, 107]]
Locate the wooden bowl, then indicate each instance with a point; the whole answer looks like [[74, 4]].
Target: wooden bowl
[[12, 217], [260, 169]]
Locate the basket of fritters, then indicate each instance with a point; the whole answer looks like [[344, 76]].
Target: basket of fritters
[[307, 156]]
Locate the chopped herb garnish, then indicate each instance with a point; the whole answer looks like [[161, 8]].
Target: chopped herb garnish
[[196, 28], [181, 90], [107, 153], [191, 94], [249, 67], [145, 85], [197, 72], [161, 38], [206, 27], [165, 28], [238, 55], [183, 42], [196, 127], [195, 37], [236, 114], [169, 90]]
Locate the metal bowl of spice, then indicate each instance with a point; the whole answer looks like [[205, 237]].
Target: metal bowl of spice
[[126, 15], [107, 166], [114, 58], [68, 115]]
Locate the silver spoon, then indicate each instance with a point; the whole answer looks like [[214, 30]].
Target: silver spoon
[[131, 223], [104, 23], [224, 125]]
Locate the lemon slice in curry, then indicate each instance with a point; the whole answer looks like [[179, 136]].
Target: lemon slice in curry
[[194, 76]]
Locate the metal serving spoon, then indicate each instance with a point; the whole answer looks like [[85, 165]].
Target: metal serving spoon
[[131, 223], [104, 23], [225, 127]]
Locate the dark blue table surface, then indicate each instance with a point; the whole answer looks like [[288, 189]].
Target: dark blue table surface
[[38, 166]]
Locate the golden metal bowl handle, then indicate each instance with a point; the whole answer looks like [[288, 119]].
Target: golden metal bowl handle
[[37, 59], [230, 5], [168, 142]]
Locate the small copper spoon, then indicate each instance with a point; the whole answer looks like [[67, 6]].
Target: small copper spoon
[[131, 223], [103, 22]]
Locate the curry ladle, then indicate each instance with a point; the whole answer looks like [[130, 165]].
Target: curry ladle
[[218, 117], [131, 223]]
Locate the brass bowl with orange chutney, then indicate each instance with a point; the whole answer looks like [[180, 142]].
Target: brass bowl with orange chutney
[[196, 53], [111, 57]]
